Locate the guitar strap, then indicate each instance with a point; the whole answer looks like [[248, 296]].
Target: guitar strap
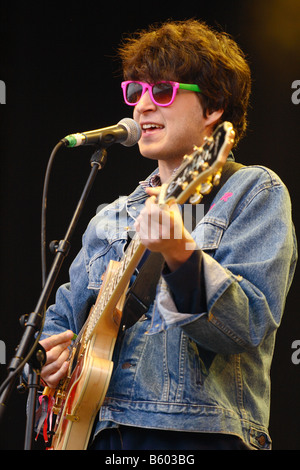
[[142, 292]]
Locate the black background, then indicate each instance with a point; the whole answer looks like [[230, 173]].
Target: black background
[[58, 62]]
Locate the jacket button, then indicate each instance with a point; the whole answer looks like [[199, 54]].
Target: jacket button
[[126, 365], [262, 440]]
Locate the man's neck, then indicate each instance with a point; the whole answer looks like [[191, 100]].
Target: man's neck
[[167, 168]]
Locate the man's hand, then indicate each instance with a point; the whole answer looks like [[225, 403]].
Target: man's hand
[[56, 366], [162, 229]]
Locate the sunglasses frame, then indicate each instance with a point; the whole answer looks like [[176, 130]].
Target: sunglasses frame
[[149, 86]]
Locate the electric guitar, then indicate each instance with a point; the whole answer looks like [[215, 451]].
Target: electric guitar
[[80, 395]]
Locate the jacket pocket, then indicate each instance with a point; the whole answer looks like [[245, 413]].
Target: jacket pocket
[[99, 262], [209, 233]]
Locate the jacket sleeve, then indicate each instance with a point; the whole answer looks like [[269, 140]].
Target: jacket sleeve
[[72, 301], [102, 241], [246, 277], [187, 284]]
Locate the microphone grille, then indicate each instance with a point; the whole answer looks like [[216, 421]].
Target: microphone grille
[[133, 129]]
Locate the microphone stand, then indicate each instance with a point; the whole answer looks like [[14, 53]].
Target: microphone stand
[[27, 351]]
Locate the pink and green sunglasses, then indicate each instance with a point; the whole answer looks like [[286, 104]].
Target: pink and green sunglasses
[[161, 93]]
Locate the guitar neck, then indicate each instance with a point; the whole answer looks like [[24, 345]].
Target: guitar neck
[[112, 291]]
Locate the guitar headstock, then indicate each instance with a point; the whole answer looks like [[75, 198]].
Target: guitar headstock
[[201, 170]]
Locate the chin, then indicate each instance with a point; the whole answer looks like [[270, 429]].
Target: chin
[[147, 152]]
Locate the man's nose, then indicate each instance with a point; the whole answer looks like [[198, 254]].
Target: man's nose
[[145, 104]]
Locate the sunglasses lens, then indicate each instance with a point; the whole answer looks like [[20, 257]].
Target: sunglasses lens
[[163, 93], [133, 92]]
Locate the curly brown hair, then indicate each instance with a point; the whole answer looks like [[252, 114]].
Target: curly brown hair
[[192, 52]]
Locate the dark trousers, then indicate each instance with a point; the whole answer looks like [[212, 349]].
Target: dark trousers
[[130, 438]]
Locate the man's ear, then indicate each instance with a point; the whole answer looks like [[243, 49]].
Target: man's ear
[[213, 117]]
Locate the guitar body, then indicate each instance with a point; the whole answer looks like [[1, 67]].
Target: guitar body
[[87, 381]]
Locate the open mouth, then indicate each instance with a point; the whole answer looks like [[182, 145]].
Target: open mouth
[[150, 127]]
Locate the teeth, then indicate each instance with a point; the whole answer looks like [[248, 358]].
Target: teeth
[[151, 126]]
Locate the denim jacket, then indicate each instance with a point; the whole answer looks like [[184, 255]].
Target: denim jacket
[[208, 371]]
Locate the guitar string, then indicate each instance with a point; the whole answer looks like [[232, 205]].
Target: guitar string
[[110, 287]]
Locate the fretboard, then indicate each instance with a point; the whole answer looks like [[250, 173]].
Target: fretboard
[[114, 288]]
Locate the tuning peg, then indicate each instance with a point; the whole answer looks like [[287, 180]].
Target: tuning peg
[[217, 178], [184, 185], [208, 140], [196, 197], [204, 166], [232, 136], [206, 188]]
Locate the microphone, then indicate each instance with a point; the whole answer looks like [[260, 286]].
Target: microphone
[[127, 132]]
